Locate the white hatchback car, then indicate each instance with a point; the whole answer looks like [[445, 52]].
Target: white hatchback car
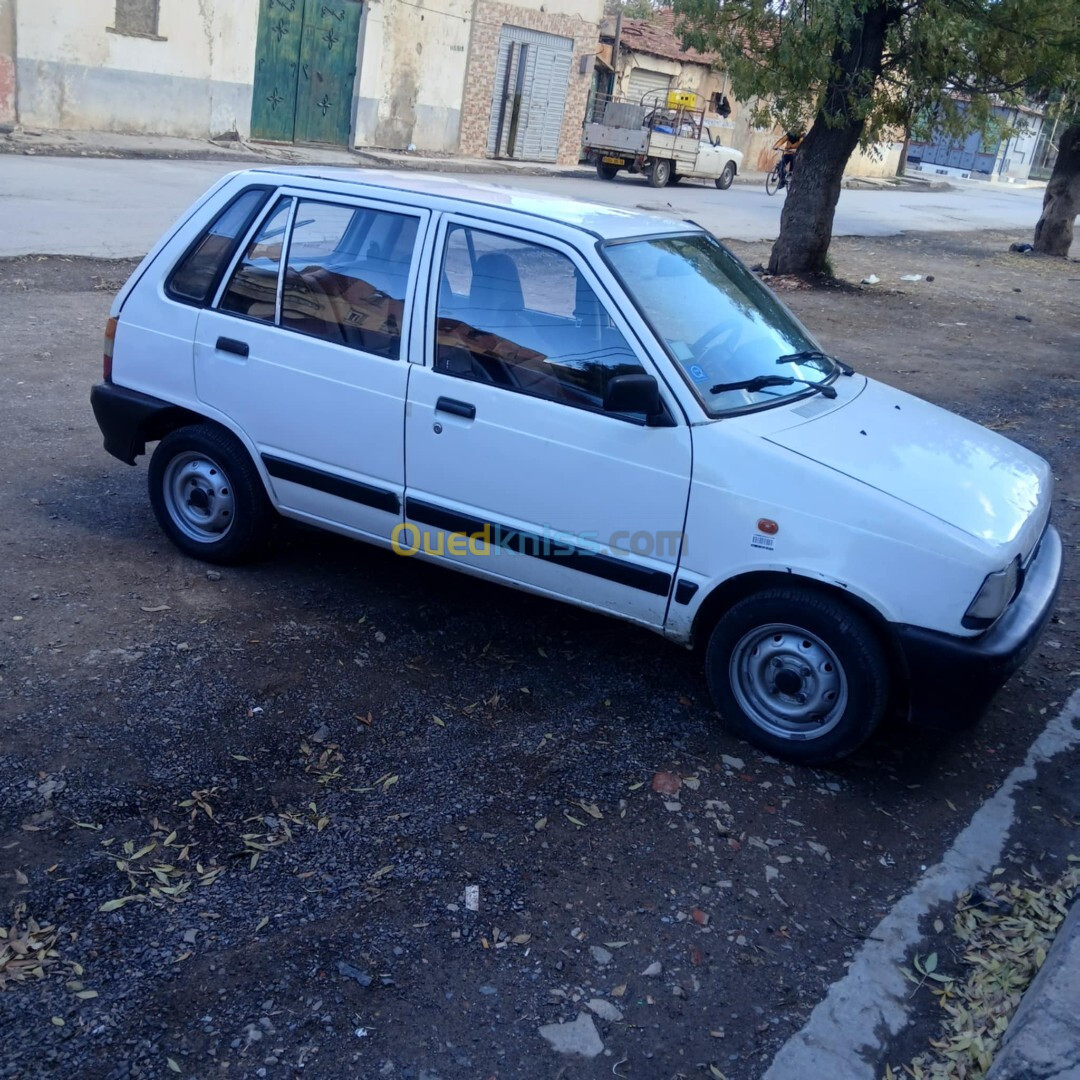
[[590, 404]]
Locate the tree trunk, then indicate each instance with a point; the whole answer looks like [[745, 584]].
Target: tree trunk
[[807, 218], [1061, 203], [814, 189], [901, 165]]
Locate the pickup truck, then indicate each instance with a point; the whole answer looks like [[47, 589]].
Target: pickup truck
[[664, 143]]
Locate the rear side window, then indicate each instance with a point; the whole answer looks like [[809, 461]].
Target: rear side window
[[195, 277]]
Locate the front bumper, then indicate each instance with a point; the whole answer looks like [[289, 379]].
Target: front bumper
[[952, 679]]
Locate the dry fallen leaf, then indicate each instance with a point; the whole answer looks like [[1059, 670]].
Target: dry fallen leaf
[[114, 905], [666, 783]]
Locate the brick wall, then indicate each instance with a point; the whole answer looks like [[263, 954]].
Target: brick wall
[[488, 21]]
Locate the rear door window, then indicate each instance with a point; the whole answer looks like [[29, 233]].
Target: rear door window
[[195, 278], [346, 275]]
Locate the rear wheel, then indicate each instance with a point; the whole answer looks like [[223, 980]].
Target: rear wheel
[[727, 177], [605, 171], [660, 173], [798, 674], [772, 181], [207, 495]]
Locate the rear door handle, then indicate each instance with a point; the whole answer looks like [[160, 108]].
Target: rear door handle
[[456, 408], [231, 345]]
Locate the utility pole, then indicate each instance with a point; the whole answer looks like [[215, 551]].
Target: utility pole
[[615, 53]]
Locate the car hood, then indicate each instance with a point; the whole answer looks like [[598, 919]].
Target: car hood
[[961, 473]]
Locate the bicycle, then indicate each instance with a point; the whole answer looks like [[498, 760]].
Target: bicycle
[[775, 176]]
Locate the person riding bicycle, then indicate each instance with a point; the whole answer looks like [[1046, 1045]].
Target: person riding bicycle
[[789, 144]]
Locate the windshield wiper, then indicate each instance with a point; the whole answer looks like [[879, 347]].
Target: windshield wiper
[[759, 382], [815, 354]]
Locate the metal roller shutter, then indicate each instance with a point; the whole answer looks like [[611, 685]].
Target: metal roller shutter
[[540, 64], [642, 81]]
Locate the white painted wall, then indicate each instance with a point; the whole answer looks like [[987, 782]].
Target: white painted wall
[[197, 81], [589, 11], [412, 74]]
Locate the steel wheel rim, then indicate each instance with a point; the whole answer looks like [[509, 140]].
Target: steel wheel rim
[[198, 497], [788, 681], [663, 170], [727, 175]]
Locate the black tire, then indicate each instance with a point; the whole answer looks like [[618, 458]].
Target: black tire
[[727, 177], [772, 181], [208, 496], [606, 172], [674, 178], [797, 673], [659, 173]]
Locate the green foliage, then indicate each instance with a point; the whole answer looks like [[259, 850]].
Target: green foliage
[[635, 9], [946, 63]]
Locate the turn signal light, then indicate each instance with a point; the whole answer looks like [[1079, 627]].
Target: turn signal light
[[768, 526], [110, 337]]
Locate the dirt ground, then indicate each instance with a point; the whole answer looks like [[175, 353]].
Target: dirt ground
[[244, 807]]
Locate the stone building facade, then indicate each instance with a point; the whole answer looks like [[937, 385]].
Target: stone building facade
[[576, 22]]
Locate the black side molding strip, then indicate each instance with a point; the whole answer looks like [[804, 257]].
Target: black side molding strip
[[608, 567], [343, 488]]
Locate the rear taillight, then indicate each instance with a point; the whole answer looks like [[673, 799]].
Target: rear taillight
[[110, 337]]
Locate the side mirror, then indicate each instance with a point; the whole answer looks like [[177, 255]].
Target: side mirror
[[634, 394]]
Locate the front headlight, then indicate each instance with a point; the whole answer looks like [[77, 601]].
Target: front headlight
[[993, 597]]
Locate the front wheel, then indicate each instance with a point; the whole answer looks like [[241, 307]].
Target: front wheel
[[772, 181], [207, 495], [798, 674], [727, 177], [606, 172], [660, 173]]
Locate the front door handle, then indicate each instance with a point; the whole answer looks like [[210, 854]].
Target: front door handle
[[456, 408], [231, 345]]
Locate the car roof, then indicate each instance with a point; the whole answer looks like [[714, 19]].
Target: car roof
[[604, 222]]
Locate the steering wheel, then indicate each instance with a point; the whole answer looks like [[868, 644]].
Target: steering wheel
[[714, 336]]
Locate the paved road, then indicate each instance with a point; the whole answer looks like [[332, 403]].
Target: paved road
[[118, 208]]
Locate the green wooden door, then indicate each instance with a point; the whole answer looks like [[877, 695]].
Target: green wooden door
[[305, 68], [277, 61], [327, 71]]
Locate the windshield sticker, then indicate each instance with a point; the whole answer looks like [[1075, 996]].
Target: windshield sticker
[[698, 372], [766, 542]]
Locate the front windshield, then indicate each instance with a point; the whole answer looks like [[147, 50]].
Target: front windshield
[[720, 324]]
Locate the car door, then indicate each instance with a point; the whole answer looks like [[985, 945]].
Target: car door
[[507, 442], [710, 160], [302, 351]]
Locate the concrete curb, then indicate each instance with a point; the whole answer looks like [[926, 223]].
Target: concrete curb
[[1043, 1040]]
